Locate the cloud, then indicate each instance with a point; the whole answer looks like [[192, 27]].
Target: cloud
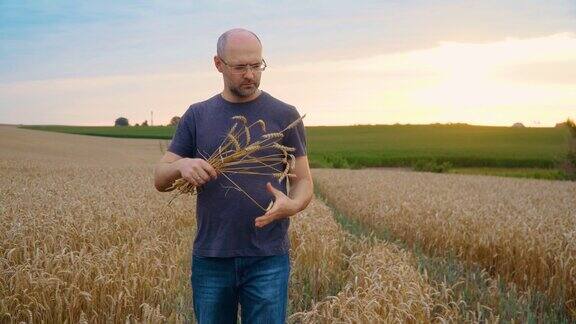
[[67, 39], [553, 72], [345, 63], [458, 82]]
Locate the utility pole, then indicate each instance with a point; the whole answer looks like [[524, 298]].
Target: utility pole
[[151, 117]]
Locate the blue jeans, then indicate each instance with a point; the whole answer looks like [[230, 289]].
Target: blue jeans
[[259, 284]]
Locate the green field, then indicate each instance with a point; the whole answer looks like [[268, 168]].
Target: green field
[[158, 132], [478, 149]]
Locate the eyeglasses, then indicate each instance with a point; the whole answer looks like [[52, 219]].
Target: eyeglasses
[[241, 69]]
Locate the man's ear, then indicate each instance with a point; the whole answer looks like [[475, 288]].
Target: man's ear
[[218, 63]]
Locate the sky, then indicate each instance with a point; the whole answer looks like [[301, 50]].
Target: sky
[[339, 62]]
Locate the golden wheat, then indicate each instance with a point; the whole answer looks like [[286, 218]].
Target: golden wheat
[[236, 155], [357, 280], [84, 237], [79, 240], [524, 230]]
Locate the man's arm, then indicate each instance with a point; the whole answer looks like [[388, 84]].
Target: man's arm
[[172, 167], [301, 191]]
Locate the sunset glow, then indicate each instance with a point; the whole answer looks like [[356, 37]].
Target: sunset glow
[[507, 79]]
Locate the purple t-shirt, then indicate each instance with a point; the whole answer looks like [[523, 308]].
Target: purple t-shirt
[[225, 216]]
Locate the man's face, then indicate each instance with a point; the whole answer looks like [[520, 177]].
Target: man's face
[[241, 53]]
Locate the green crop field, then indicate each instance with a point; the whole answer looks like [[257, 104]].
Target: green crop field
[[158, 132], [464, 146]]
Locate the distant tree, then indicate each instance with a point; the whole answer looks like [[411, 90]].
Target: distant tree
[[572, 127], [145, 123], [136, 124], [518, 125], [174, 121], [563, 124], [121, 121]]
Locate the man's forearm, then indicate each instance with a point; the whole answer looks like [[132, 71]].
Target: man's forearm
[[301, 193], [165, 174]]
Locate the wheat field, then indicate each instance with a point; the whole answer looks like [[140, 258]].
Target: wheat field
[[522, 230], [83, 234], [84, 237]]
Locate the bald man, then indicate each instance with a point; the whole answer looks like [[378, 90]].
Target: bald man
[[240, 254]]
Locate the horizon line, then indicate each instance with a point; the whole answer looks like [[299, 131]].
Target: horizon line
[[347, 125]]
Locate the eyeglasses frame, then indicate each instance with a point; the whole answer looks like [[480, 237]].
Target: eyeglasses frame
[[246, 66]]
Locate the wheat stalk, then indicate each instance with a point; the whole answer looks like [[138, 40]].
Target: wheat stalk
[[237, 155]]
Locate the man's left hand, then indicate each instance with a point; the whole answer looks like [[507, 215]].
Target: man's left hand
[[283, 207]]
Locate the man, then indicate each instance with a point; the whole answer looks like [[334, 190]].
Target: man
[[240, 253]]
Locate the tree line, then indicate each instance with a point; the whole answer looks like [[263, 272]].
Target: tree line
[[123, 121]]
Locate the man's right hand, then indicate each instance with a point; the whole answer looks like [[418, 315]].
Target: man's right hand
[[196, 171], [173, 166]]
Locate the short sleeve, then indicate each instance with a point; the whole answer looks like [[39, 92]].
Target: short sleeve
[[184, 140], [296, 136]]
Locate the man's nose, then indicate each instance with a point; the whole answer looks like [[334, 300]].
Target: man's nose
[[249, 74]]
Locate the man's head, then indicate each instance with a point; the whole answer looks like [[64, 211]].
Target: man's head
[[237, 49]]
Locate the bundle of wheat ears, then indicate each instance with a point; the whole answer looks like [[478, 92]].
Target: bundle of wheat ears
[[237, 155]]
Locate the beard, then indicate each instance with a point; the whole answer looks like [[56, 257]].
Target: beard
[[243, 91]]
